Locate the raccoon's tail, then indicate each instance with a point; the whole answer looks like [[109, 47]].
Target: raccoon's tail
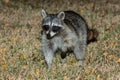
[[92, 35]]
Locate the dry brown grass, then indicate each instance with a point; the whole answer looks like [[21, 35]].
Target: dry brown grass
[[20, 54]]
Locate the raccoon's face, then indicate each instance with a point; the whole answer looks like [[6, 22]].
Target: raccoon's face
[[52, 24]]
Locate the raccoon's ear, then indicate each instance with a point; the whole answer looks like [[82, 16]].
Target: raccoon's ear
[[61, 15], [44, 13]]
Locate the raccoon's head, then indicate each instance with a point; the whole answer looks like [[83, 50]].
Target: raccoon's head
[[52, 24]]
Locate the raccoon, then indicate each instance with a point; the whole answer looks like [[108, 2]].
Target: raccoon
[[66, 31]]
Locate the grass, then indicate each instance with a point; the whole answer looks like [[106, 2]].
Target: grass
[[20, 49]]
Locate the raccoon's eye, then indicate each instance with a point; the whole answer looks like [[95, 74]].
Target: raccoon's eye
[[45, 27], [56, 28]]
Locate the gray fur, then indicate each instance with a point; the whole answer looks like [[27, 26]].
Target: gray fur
[[73, 35]]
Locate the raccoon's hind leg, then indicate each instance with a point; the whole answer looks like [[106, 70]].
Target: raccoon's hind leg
[[63, 55], [66, 53], [79, 51]]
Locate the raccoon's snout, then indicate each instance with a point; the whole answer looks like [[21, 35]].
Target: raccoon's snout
[[49, 36]]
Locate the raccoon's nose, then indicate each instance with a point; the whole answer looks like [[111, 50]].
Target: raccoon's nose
[[48, 36]]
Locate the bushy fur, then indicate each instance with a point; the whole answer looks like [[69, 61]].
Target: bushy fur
[[73, 36]]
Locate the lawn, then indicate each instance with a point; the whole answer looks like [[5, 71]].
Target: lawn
[[20, 41]]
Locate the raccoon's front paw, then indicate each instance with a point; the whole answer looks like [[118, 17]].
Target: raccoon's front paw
[[49, 68], [80, 62]]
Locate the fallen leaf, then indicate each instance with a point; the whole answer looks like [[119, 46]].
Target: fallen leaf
[[37, 72], [118, 60], [72, 62], [21, 57], [7, 76], [88, 70], [30, 78], [4, 66], [7, 24], [81, 10], [65, 78], [98, 77], [3, 50], [90, 6], [111, 56], [105, 54], [4, 59], [114, 43], [53, 72], [6, 1], [77, 78], [14, 39], [103, 49]]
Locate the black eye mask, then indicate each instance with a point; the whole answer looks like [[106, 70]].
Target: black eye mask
[[45, 27], [56, 28]]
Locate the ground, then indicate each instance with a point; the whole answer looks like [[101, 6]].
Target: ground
[[20, 41]]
